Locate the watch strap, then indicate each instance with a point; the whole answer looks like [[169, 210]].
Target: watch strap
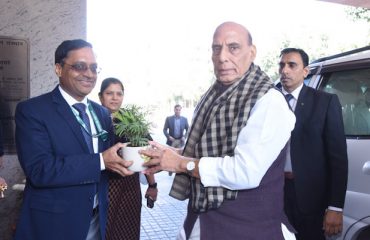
[[154, 185]]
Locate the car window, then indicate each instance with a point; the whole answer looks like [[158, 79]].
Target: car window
[[307, 80], [353, 90]]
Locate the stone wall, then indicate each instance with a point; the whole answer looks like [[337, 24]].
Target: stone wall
[[45, 23]]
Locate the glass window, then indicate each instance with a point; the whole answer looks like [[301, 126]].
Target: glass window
[[353, 89], [307, 80]]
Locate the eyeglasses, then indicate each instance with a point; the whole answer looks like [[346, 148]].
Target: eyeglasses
[[82, 67]]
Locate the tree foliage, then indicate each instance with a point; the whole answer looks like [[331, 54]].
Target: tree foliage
[[358, 14]]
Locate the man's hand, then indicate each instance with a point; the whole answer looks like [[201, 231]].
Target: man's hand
[[171, 138], [162, 158], [177, 150], [333, 222], [114, 162]]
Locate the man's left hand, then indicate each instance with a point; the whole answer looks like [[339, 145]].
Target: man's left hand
[[333, 222], [114, 162]]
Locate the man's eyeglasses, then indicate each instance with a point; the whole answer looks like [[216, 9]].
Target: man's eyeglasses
[[83, 67]]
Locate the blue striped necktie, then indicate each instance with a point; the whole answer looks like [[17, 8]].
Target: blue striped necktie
[[289, 97]]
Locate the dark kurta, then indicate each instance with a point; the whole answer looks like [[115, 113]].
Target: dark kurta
[[124, 208], [124, 211]]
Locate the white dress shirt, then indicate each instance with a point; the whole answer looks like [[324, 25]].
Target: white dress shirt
[[293, 104], [70, 100], [258, 145]]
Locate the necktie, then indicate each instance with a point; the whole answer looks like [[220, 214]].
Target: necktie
[[81, 108], [288, 161], [289, 97]]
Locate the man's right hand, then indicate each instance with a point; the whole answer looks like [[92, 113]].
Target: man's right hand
[[114, 162]]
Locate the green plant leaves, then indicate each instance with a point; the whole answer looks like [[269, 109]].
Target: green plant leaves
[[131, 122]]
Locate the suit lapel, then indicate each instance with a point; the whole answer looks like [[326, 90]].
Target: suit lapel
[[301, 107], [66, 113]]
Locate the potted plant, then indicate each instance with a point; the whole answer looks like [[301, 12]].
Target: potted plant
[[131, 123]]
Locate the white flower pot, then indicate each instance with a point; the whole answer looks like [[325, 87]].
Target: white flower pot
[[132, 154]]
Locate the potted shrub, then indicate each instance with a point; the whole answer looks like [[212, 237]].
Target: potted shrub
[[131, 123]]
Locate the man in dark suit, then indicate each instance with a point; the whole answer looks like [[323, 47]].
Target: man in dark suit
[[317, 164], [65, 154], [174, 128]]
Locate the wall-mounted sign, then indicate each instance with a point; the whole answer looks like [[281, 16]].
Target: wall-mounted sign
[[14, 84]]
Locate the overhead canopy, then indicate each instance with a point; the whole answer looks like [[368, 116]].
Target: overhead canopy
[[354, 3]]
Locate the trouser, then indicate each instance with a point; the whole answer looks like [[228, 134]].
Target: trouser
[[308, 226], [177, 143], [94, 230]]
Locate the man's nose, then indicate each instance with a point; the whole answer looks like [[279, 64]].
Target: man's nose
[[284, 69], [223, 55]]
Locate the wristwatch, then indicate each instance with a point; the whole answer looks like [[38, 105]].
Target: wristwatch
[[190, 166], [154, 185]]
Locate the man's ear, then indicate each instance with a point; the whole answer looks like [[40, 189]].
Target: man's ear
[[58, 69], [253, 52], [306, 71]]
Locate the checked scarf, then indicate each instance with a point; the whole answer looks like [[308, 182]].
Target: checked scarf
[[218, 119]]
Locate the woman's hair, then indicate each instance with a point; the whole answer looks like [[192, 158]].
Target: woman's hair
[[107, 82]]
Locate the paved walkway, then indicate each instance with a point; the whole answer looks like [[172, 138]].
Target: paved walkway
[[164, 220]]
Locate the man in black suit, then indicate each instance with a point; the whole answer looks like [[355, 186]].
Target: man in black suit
[[174, 128], [317, 164]]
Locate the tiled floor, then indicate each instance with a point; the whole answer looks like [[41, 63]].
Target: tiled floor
[[164, 220]]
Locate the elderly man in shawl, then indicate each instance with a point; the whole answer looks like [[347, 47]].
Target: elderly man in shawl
[[231, 168]]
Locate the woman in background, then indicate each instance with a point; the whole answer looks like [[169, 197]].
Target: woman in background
[[124, 192]]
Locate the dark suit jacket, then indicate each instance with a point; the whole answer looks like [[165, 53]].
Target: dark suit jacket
[[61, 173], [318, 151], [169, 127]]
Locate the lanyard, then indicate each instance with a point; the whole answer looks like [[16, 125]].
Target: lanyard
[[101, 132]]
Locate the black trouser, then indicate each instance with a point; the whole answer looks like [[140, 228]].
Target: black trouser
[[308, 226]]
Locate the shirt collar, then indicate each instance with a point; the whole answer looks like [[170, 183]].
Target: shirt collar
[[295, 92], [70, 100]]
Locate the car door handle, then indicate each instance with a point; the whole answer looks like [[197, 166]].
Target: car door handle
[[366, 168]]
